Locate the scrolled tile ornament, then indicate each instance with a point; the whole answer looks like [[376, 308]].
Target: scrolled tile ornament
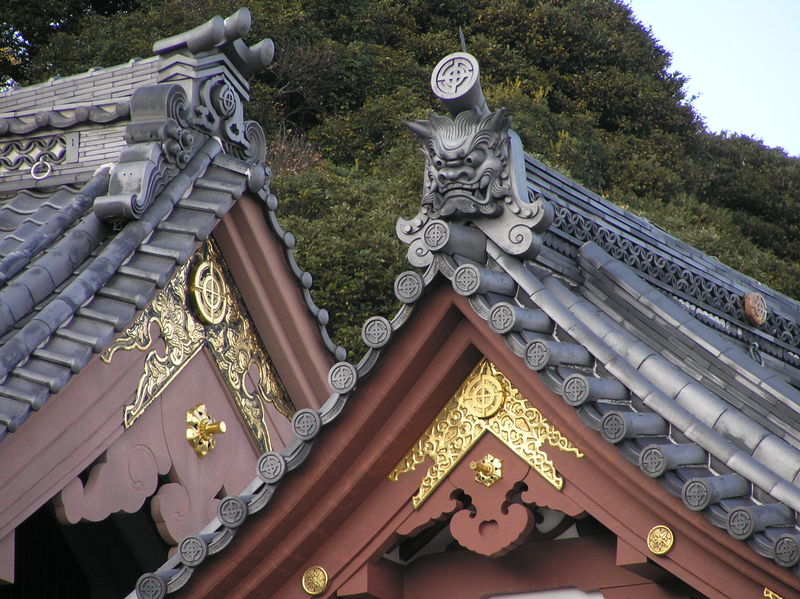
[[466, 163]]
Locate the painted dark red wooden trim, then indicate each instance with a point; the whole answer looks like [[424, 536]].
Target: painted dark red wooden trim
[[340, 509]]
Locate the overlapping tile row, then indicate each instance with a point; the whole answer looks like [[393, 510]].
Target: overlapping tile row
[[647, 390], [712, 291], [71, 282]]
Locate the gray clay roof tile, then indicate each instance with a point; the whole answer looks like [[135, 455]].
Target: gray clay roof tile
[[69, 283]]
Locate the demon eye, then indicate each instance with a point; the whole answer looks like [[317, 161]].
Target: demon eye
[[477, 156], [438, 162]]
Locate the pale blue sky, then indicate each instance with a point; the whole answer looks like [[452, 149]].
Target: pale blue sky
[[742, 58]]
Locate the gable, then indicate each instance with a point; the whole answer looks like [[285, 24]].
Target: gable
[[343, 512], [560, 309], [99, 324], [674, 404]]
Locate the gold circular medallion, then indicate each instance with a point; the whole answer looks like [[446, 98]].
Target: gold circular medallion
[[484, 397], [315, 580], [208, 288], [660, 539]]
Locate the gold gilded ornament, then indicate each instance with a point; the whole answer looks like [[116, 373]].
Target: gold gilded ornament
[[209, 292], [771, 594], [488, 470], [660, 539], [315, 580], [201, 430], [485, 402], [484, 396], [183, 337], [232, 342]]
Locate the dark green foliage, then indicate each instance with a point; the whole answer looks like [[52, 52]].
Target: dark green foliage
[[26, 27], [589, 90]]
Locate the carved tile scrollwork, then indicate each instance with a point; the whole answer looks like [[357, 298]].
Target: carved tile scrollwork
[[486, 401], [684, 281], [231, 340], [22, 154]]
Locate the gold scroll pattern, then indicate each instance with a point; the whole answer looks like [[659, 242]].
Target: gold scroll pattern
[[183, 337], [232, 343], [485, 401]]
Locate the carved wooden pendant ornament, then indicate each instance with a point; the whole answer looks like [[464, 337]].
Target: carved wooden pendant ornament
[[486, 401]]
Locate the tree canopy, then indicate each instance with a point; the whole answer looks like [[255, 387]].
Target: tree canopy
[[590, 90]]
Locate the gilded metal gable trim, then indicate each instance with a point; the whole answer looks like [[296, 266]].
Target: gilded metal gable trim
[[485, 401], [231, 340]]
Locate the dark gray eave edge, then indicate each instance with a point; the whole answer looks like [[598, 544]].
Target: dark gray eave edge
[[711, 290], [33, 339], [343, 378]]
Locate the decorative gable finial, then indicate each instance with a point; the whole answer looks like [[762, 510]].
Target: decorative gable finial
[[225, 35], [201, 91], [466, 160], [475, 168]]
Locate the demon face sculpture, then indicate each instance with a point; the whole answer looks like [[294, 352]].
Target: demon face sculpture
[[466, 163]]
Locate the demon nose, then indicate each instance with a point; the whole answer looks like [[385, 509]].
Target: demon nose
[[454, 172]]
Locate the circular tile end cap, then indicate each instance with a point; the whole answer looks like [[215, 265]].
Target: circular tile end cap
[[342, 377], [787, 551], [537, 354], [376, 332], [575, 390], [151, 586], [306, 424], [455, 75], [466, 279], [740, 524], [408, 287], [232, 512], [192, 550], [271, 467], [502, 318]]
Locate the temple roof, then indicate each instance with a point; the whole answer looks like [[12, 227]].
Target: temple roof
[[112, 179], [645, 336]]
